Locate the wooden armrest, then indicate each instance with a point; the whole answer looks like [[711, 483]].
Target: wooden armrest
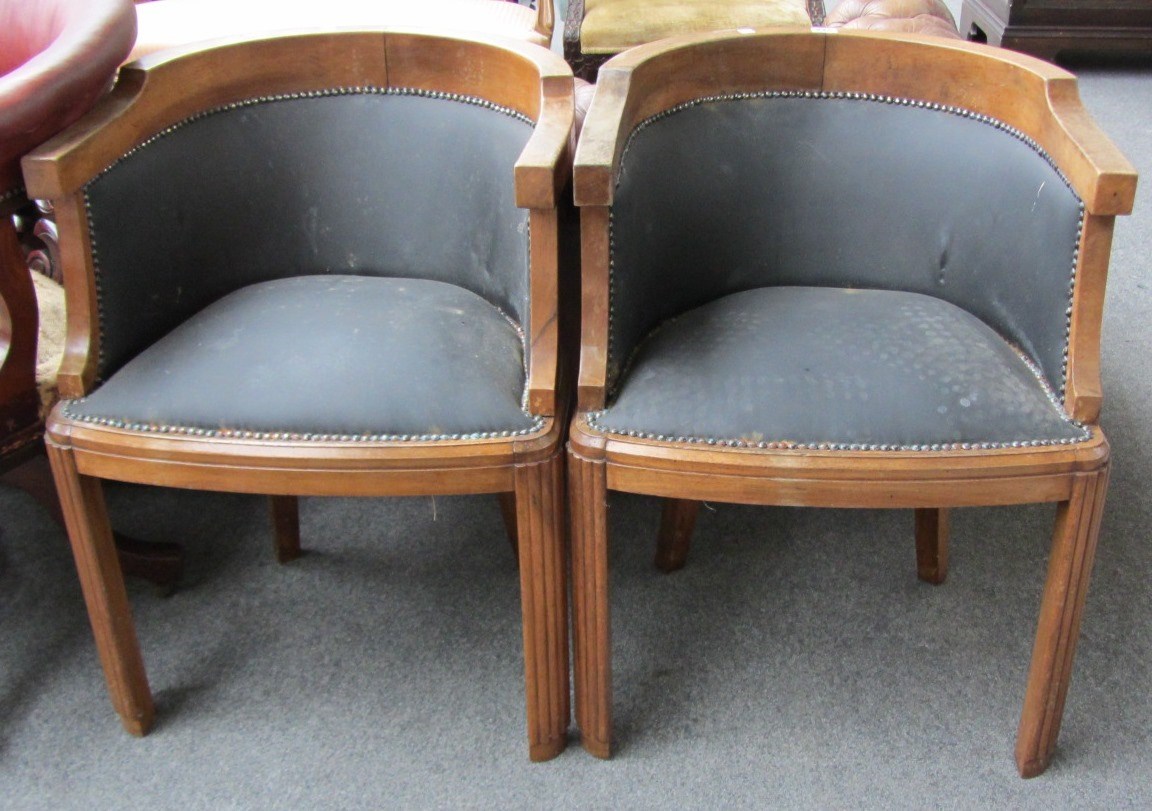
[[602, 139], [1101, 175], [545, 164]]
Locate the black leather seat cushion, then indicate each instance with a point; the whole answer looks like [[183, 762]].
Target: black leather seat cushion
[[331, 356], [833, 367]]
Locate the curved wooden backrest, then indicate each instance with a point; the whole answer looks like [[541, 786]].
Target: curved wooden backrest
[[956, 93], [383, 148]]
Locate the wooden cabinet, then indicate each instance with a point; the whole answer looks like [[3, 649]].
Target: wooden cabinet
[[1047, 27]]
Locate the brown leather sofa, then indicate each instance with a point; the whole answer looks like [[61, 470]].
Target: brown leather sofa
[[906, 16]]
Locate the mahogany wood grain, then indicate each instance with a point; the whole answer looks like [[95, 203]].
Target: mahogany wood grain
[[677, 520], [932, 533]]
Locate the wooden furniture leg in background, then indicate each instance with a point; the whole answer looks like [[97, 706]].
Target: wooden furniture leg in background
[[676, 524], [932, 530]]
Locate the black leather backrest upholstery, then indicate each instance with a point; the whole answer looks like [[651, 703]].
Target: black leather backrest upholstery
[[726, 195], [353, 182]]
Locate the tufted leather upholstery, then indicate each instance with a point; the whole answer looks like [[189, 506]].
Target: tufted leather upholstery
[[610, 26], [907, 16]]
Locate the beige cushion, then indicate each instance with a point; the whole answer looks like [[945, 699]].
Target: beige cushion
[[611, 26], [170, 23], [50, 340]]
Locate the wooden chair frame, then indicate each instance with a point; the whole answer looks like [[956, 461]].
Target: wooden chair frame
[[1032, 96], [158, 91]]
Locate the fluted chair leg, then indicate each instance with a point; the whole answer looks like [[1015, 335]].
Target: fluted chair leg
[[592, 634], [90, 533], [1069, 569], [286, 526], [676, 524], [933, 527], [544, 599]]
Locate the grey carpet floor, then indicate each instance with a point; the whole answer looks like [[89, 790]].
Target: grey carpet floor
[[796, 662]]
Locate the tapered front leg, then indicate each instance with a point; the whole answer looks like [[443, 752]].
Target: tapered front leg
[[1069, 569], [677, 521], [286, 526], [86, 519], [591, 628], [544, 599], [932, 532]]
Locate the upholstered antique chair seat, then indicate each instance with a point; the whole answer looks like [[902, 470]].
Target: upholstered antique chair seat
[[834, 368], [170, 23], [283, 358]]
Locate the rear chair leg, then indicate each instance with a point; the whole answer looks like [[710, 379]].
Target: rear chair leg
[[676, 524], [591, 624], [539, 501], [932, 531], [90, 533], [1069, 569], [508, 513], [286, 526]]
